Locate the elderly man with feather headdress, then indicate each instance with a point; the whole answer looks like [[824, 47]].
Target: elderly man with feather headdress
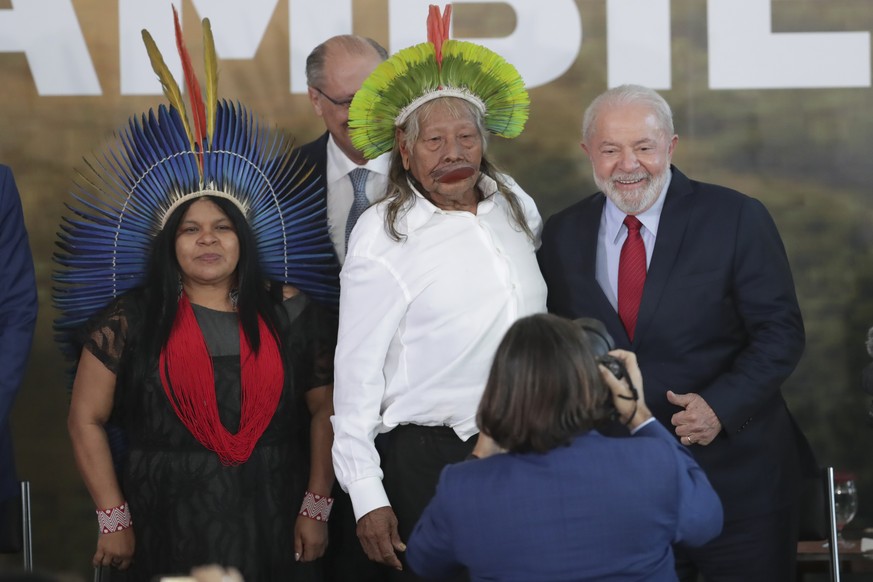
[[434, 275]]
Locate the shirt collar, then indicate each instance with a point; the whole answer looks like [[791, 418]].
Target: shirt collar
[[339, 164], [423, 209], [614, 218]]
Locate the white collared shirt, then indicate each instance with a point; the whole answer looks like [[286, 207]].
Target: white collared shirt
[[611, 237], [420, 321], [341, 194]]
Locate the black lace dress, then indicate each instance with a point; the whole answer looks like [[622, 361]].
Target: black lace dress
[[188, 508]]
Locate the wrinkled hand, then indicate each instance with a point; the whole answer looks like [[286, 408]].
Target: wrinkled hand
[[115, 549], [310, 539], [377, 531], [697, 424]]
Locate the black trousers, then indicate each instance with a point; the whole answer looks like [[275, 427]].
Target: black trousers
[[412, 458], [755, 549], [345, 560]]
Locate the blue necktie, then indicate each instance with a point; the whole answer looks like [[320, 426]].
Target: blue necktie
[[358, 176]]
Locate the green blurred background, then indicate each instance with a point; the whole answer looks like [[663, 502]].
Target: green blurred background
[[803, 152]]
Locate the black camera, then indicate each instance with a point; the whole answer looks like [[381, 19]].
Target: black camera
[[601, 343]]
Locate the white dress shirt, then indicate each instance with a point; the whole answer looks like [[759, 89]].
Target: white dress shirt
[[420, 321], [341, 194], [611, 237]]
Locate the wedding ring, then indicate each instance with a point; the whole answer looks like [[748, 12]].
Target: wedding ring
[[690, 442]]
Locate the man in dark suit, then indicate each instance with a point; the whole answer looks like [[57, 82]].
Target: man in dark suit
[[18, 307], [335, 71], [694, 279]]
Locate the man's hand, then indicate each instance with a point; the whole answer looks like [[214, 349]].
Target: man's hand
[[697, 424], [377, 531]]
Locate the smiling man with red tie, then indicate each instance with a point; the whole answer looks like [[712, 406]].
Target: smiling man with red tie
[[695, 280]]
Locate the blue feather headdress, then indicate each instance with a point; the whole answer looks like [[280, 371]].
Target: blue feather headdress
[[123, 200]]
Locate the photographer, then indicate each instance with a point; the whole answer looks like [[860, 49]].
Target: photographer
[[564, 502]]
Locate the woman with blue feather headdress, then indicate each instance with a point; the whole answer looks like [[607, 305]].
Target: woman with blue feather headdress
[[194, 265]]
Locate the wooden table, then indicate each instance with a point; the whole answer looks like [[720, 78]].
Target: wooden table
[[814, 556]]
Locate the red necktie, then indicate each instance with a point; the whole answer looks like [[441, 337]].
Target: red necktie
[[631, 275]]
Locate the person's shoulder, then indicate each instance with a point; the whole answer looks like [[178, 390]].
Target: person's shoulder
[[294, 302], [315, 149], [571, 214], [460, 476], [711, 191], [519, 192], [129, 304], [121, 313], [721, 203], [371, 224]]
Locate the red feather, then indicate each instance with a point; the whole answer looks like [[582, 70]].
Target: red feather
[[198, 109], [438, 29]]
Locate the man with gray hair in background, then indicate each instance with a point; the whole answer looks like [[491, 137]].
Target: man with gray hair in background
[[335, 70]]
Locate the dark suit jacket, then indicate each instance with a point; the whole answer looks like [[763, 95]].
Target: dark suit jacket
[[718, 317], [315, 152], [18, 306], [600, 509]]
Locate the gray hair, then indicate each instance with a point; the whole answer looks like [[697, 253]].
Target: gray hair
[[400, 195], [347, 43], [628, 95]]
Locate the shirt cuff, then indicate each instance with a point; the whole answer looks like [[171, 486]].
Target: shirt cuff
[[637, 428], [367, 494]]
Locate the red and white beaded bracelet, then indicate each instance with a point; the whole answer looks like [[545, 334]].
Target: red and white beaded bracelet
[[114, 518], [316, 506]]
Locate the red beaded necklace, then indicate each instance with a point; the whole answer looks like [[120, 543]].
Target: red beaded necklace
[[189, 382]]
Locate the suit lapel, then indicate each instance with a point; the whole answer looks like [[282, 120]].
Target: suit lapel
[[593, 298], [671, 232], [315, 152]]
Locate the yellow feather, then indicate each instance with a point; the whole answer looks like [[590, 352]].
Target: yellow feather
[[168, 83], [211, 62]]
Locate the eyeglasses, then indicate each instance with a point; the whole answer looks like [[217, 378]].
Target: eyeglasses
[[344, 104]]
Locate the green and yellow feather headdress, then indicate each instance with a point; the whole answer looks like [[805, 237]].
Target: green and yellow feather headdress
[[437, 68]]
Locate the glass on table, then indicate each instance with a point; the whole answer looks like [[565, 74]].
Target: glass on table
[[846, 503]]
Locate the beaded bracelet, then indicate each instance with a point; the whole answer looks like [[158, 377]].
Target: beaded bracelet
[[114, 519], [316, 506]]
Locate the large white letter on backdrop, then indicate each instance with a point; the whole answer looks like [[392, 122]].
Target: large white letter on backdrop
[[49, 35], [542, 47], [311, 23], [744, 53], [137, 76], [638, 43], [237, 28]]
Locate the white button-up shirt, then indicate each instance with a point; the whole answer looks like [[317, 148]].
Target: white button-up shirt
[[420, 321], [611, 237]]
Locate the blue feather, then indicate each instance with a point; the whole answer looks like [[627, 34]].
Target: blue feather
[[119, 199]]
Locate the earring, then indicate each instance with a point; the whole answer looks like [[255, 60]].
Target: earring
[[234, 297], [179, 287]]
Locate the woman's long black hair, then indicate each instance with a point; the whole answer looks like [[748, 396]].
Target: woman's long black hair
[[161, 287]]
